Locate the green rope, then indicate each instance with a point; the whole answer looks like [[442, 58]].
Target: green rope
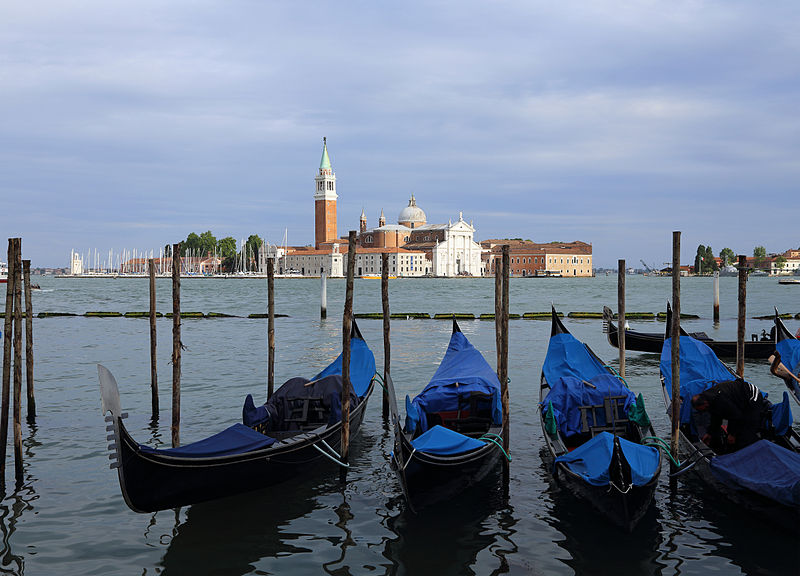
[[661, 443], [614, 371], [496, 443], [377, 378]]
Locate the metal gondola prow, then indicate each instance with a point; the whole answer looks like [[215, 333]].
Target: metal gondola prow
[[354, 331], [455, 325]]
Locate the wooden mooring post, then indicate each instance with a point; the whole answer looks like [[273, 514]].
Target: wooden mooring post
[[26, 272], [386, 326], [716, 297], [675, 335], [498, 309], [621, 314], [347, 324], [176, 345], [151, 269], [742, 315], [323, 296], [270, 327], [18, 360], [503, 370], [7, 346]]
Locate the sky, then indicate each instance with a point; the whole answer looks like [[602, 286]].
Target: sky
[[128, 125]]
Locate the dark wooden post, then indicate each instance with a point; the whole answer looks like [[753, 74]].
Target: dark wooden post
[[504, 363], [498, 309], [26, 272], [675, 335], [323, 296], [176, 345], [742, 315], [621, 314], [347, 324], [270, 327], [151, 268], [386, 341], [716, 297], [7, 345], [18, 359]]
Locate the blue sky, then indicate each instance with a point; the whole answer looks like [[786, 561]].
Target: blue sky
[[130, 124]]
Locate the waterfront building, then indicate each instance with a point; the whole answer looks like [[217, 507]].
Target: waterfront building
[[791, 265], [527, 258]]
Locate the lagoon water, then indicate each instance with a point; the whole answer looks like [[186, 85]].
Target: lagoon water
[[69, 516]]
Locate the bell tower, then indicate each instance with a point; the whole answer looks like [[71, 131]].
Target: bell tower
[[325, 200]]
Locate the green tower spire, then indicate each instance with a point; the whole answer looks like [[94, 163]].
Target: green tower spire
[[325, 163]]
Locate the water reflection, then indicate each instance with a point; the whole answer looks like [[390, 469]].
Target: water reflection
[[227, 536], [447, 537]]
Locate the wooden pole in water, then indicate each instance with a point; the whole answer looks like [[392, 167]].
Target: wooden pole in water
[[742, 315], [504, 362], [26, 271], [498, 309], [176, 345], [675, 333], [716, 297], [323, 305], [7, 344], [386, 341], [151, 268], [347, 324], [18, 359], [621, 314], [270, 327]]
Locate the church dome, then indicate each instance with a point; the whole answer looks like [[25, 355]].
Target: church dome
[[412, 215]]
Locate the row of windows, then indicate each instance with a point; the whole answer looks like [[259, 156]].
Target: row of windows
[[321, 185], [575, 260]]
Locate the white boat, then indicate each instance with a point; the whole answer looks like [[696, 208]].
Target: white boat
[[789, 281], [3, 273]]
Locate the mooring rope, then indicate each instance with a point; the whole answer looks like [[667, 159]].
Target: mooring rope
[[321, 451]]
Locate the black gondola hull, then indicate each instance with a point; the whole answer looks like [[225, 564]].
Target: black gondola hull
[[152, 482], [428, 479]]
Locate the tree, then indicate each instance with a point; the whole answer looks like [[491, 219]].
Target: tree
[[192, 243], [253, 247], [727, 256], [780, 262], [698, 259], [208, 242], [759, 255], [710, 263]]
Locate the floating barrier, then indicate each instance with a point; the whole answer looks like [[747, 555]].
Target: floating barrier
[[103, 314], [585, 315], [663, 316], [638, 316], [141, 315], [457, 316]]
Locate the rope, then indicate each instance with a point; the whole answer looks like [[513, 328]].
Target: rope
[[614, 371], [661, 443], [496, 443], [409, 459], [328, 456], [377, 378]]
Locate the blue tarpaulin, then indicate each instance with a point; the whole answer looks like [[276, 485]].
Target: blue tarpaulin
[[362, 366], [463, 370], [569, 364], [700, 370], [237, 439], [789, 350], [782, 415], [764, 468], [568, 393], [445, 442], [591, 460]]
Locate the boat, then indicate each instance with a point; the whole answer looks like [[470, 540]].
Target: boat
[[451, 439], [377, 277], [786, 362], [763, 477], [595, 430], [295, 432], [758, 347], [789, 281], [3, 273]]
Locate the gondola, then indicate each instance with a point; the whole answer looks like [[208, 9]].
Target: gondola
[[786, 362], [763, 477], [451, 437], [758, 347], [595, 429], [298, 429]]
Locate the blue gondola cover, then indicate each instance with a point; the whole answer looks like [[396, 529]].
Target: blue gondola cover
[[568, 393], [591, 460], [764, 468], [782, 415], [568, 356], [790, 357], [238, 439], [445, 442], [362, 366], [463, 370], [700, 370]]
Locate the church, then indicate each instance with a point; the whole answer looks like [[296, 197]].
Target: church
[[414, 247]]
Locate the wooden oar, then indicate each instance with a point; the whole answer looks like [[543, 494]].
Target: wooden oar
[[780, 370]]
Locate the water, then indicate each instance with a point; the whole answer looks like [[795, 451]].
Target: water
[[69, 516]]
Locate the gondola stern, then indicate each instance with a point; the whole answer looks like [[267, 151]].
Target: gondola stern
[[556, 326]]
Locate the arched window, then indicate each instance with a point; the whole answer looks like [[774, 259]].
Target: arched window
[[368, 239]]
